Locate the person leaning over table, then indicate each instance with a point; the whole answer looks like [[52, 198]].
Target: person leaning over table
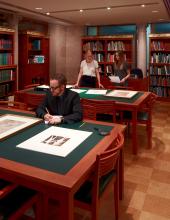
[[121, 68], [88, 72], [60, 105]]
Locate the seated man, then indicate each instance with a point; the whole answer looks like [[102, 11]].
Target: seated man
[[61, 105]]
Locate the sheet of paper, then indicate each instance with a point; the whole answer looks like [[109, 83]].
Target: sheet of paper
[[69, 86], [79, 90], [97, 91], [56, 141], [114, 79], [43, 87], [122, 93]]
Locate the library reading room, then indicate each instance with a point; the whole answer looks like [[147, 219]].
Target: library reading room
[[84, 119]]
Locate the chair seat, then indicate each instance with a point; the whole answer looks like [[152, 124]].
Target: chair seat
[[14, 201], [85, 192]]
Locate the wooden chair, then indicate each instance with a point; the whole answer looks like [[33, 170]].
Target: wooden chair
[[98, 109], [106, 169], [16, 200], [31, 85], [13, 104], [144, 116], [139, 84], [33, 100]]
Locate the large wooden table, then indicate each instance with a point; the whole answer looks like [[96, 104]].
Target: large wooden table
[[51, 184], [133, 105]]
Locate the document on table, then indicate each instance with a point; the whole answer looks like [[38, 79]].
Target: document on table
[[114, 79], [56, 141], [97, 91], [79, 90], [122, 93]]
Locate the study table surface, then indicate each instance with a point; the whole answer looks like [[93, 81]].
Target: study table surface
[[55, 177], [133, 105]]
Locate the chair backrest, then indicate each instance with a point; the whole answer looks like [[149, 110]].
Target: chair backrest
[[137, 73], [13, 104], [139, 84], [31, 85], [93, 107], [33, 100], [107, 161]]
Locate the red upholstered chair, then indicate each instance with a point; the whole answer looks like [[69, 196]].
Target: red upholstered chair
[[106, 170], [16, 200], [94, 109]]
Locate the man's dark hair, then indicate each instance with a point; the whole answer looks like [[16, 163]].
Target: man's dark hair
[[60, 77]]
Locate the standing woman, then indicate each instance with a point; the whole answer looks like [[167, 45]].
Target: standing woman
[[89, 73], [121, 68]]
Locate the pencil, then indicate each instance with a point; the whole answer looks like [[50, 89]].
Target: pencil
[[47, 110], [82, 124]]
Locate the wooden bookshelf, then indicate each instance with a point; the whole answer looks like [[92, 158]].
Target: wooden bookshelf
[[33, 58], [104, 48], [159, 66], [8, 71]]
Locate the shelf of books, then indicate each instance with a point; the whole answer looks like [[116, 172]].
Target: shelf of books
[[8, 75], [159, 74], [33, 58], [104, 48]]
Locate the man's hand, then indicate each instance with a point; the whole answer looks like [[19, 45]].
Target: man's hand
[[55, 120]]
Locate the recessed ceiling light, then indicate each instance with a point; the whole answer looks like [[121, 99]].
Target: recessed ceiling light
[[81, 10], [48, 13], [161, 19], [155, 11], [108, 8], [143, 6], [38, 8]]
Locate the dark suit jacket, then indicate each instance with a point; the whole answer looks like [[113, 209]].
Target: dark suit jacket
[[68, 105]]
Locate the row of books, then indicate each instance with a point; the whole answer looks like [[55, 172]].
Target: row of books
[[35, 44], [36, 59], [160, 58], [110, 57], [93, 45], [159, 81], [99, 57], [6, 75], [115, 45], [157, 45], [161, 91], [5, 59], [5, 44], [163, 70], [5, 90]]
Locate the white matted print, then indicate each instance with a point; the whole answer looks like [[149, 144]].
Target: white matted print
[[122, 93], [56, 141], [97, 91], [10, 124]]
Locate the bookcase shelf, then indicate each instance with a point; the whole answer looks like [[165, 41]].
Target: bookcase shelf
[[105, 47], [8, 71], [33, 58], [159, 66]]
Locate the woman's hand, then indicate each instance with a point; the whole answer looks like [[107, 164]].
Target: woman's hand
[[101, 86], [76, 86]]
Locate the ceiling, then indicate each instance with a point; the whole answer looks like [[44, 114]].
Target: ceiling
[[95, 12]]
